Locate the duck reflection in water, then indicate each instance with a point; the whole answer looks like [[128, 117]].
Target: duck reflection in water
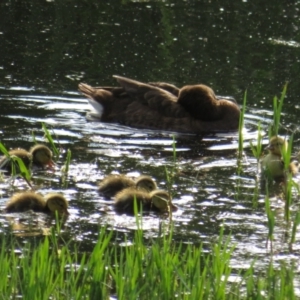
[[162, 106]]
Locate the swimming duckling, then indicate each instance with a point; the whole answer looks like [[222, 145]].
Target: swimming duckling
[[196, 109], [156, 200], [38, 155], [112, 184], [272, 164], [24, 201]]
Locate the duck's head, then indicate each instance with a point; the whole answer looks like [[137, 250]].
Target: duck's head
[[277, 145], [57, 202], [161, 200], [201, 103], [199, 92], [145, 183], [41, 155]]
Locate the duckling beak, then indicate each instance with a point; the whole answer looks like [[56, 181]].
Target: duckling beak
[[173, 207], [270, 147], [51, 164]]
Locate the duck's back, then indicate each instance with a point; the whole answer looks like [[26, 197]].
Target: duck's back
[[124, 200], [26, 201], [141, 105], [112, 184], [5, 162]]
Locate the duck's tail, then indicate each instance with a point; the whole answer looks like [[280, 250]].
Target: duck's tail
[[87, 90]]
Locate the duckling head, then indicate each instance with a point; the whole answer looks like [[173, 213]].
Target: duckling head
[[145, 183], [277, 145], [161, 200], [57, 202], [41, 155]]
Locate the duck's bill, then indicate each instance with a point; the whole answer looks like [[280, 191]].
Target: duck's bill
[[51, 164]]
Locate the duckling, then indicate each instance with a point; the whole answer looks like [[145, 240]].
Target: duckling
[[113, 184], [272, 164], [38, 155], [156, 200], [192, 109], [162, 201], [24, 201]]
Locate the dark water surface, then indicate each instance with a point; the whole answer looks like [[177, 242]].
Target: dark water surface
[[48, 47]]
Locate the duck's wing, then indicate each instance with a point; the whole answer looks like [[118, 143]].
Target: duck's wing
[[158, 100], [133, 87], [120, 91], [171, 88]]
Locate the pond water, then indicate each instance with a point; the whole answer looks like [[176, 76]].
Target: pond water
[[47, 48]]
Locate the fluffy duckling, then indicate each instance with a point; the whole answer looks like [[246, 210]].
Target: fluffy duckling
[[156, 200], [38, 155], [24, 201], [112, 184], [272, 164], [192, 109]]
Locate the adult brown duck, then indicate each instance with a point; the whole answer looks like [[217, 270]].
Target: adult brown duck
[[272, 164], [24, 201], [161, 106], [39, 155]]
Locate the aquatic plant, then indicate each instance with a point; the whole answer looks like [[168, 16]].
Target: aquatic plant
[[277, 110], [67, 162], [49, 138], [257, 148], [271, 222], [241, 128]]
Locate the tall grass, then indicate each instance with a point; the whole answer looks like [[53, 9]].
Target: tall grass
[[241, 127], [257, 148], [50, 140], [277, 110], [157, 269], [271, 222], [171, 173]]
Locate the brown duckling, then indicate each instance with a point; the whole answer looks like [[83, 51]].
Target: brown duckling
[[38, 155], [157, 200], [112, 184], [24, 201], [192, 109], [272, 164]]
